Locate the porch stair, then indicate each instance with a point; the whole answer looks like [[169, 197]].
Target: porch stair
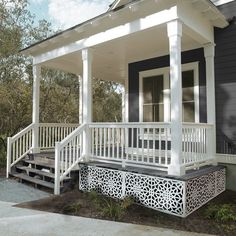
[[37, 169]]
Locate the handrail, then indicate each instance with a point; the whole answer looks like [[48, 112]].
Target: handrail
[[72, 135], [19, 146], [197, 125], [22, 132], [68, 153], [131, 125], [58, 125]]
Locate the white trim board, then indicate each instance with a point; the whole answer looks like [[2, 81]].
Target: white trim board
[[221, 2], [165, 72], [226, 158]]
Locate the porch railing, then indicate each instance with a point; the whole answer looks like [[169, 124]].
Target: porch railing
[[149, 144], [132, 144], [197, 146], [50, 133], [21, 144], [68, 153]]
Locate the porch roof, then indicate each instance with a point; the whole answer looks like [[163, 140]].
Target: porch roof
[[112, 55]]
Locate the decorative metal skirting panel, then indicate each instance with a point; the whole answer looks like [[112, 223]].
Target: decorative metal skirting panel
[[203, 188], [158, 193], [171, 196]]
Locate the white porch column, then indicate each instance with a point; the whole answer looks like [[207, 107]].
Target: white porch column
[[87, 99], [174, 29], [36, 100], [209, 52], [126, 87], [80, 99]]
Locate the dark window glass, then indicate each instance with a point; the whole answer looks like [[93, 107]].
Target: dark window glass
[[153, 99]]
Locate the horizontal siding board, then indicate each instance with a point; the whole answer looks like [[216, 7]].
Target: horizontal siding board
[[225, 76], [229, 9], [154, 63]]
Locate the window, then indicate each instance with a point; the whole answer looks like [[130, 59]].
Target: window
[[188, 96], [153, 99], [155, 94]]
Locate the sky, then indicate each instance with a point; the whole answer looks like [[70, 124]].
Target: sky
[[67, 13]]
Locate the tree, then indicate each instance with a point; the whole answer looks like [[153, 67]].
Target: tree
[[17, 30], [59, 100]]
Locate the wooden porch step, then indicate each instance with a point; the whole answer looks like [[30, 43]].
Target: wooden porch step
[[40, 163], [35, 171], [43, 154], [39, 172], [33, 180]]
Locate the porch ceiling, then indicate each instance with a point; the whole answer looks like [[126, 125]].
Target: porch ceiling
[[111, 59]]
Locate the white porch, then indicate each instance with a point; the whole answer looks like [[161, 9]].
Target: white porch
[[103, 48]]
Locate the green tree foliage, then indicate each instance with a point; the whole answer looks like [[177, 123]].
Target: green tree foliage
[[59, 95], [106, 101]]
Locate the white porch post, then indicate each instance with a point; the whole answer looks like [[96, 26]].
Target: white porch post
[[80, 99], [87, 100], [209, 51], [174, 29], [126, 106], [36, 99]]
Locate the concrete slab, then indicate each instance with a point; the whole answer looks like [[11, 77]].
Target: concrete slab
[[13, 191], [26, 222], [30, 222]]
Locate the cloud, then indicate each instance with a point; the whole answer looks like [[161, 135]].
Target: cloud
[[37, 1], [67, 13]]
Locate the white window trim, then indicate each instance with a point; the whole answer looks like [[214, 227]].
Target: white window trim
[[165, 72]]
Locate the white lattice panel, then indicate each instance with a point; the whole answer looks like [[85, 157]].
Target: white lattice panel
[[158, 193], [105, 181], [174, 197], [202, 189]]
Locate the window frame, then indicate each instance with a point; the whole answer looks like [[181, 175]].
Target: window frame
[[165, 71]]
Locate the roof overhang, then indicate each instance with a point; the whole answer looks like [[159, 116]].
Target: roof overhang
[[135, 32], [118, 16]]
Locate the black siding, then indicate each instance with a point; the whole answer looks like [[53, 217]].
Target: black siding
[[228, 10], [159, 62], [225, 74]]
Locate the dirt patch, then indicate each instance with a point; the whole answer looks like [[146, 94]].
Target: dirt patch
[[82, 205]]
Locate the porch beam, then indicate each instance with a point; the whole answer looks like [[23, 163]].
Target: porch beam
[[174, 29], [87, 99], [36, 100], [141, 24], [209, 52]]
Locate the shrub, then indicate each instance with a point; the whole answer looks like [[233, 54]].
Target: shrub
[[73, 208], [109, 207], [221, 213], [116, 209]]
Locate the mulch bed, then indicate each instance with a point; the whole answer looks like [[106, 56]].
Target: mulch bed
[[196, 222]]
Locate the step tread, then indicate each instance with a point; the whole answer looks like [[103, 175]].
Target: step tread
[[43, 154], [33, 180], [39, 172], [40, 163]]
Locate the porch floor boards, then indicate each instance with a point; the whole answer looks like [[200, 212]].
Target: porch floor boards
[[190, 174]]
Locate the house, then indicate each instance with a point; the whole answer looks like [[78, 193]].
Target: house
[[176, 60]]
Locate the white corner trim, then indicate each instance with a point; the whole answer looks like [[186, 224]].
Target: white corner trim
[[165, 72], [221, 2], [226, 158]]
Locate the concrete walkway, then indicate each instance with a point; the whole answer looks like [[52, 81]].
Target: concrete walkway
[[25, 222], [13, 191]]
